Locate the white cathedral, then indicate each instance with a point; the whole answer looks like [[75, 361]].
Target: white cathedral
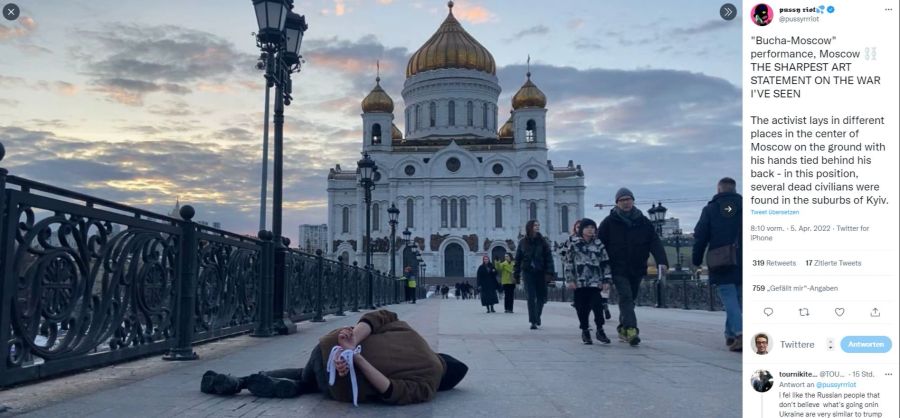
[[464, 189]]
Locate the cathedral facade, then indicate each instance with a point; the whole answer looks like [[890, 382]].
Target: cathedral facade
[[464, 183]]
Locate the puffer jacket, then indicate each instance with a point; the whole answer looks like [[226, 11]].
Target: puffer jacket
[[588, 263]]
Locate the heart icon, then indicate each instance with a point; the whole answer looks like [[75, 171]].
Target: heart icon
[[839, 311]]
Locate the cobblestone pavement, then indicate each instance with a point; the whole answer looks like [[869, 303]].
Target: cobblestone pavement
[[682, 369]]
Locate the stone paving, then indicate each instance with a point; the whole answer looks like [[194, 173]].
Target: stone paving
[[682, 369]]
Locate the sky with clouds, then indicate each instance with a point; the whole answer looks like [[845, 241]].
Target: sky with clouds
[[143, 103]]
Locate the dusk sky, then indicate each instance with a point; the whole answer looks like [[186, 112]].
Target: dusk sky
[[146, 102]]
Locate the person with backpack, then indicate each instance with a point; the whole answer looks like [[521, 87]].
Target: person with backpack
[[719, 231]]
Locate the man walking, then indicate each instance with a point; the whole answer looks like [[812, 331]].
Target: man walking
[[719, 231], [629, 238]]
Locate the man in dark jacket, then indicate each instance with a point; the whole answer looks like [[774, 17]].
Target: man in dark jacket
[[720, 226], [373, 374], [534, 263], [629, 238]]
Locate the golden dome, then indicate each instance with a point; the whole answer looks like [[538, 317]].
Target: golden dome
[[378, 100], [451, 47], [395, 133], [529, 96], [506, 131]]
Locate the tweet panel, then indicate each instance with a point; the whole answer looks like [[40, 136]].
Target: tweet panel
[[820, 159]]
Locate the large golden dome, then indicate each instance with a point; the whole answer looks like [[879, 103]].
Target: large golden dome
[[378, 100], [451, 47], [529, 96]]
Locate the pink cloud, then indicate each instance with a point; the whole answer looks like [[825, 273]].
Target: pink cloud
[[26, 25], [472, 14]]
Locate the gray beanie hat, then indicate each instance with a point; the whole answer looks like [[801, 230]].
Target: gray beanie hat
[[624, 192]]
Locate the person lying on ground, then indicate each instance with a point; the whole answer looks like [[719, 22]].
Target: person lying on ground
[[357, 364]]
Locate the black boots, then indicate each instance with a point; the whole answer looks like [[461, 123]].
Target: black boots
[[601, 336], [266, 386], [586, 336]]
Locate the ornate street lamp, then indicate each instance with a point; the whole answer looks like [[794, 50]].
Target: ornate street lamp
[[270, 18], [393, 214], [658, 217], [366, 176], [279, 37]]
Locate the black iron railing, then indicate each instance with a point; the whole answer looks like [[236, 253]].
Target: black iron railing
[[679, 292], [88, 282]]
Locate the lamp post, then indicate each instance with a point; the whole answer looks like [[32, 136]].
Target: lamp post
[[279, 37], [366, 175], [406, 237], [419, 260], [677, 234], [270, 17], [393, 213]]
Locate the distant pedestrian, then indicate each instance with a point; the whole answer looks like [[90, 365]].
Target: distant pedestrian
[[534, 264], [505, 268], [487, 284], [445, 290], [629, 238], [458, 291], [587, 263], [410, 284], [719, 231]]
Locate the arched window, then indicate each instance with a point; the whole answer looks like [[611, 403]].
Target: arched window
[[463, 213], [484, 118], [443, 213], [530, 129], [498, 213], [410, 205], [564, 217], [417, 117], [376, 216], [376, 134], [451, 113], [453, 213], [470, 109], [532, 211], [432, 114], [345, 220]]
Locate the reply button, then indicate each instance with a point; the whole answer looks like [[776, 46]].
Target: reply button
[[867, 344]]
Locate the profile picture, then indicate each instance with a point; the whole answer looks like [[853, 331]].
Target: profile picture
[[762, 14], [762, 381], [761, 343]]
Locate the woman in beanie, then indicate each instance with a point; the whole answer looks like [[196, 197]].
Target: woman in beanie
[[588, 263], [534, 262]]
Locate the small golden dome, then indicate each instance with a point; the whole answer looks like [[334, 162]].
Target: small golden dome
[[395, 133], [378, 100], [529, 96], [451, 47], [506, 131]]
